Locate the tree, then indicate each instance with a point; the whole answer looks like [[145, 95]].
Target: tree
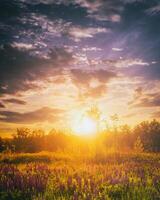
[[114, 119], [149, 133], [95, 114], [29, 141], [138, 145], [1, 145], [56, 140]]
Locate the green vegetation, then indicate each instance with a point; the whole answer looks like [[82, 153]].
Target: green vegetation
[[117, 176]]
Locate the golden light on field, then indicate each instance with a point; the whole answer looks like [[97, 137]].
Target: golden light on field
[[86, 126]]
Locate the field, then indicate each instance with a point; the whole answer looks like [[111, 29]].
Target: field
[[58, 176]]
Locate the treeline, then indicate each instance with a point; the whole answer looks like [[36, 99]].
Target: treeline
[[31, 141], [143, 137]]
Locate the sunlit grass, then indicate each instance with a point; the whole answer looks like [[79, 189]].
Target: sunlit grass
[[47, 176]]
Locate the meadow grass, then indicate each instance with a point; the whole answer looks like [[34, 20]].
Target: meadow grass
[[42, 157], [49, 176]]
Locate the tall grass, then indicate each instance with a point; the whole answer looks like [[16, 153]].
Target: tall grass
[[114, 176], [45, 157]]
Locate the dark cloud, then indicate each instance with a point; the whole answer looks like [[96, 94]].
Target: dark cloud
[[149, 102], [154, 10], [44, 24], [15, 101], [41, 115], [97, 9], [20, 71], [103, 10], [2, 105], [138, 93], [47, 23], [82, 77], [96, 92], [148, 73], [146, 100]]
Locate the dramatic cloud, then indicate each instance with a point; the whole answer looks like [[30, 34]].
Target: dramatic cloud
[[103, 10], [14, 101], [77, 33], [147, 71], [96, 92], [21, 71], [154, 10], [60, 53], [2, 105], [145, 99], [125, 63], [84, 77], [91, 83], [41, 115]]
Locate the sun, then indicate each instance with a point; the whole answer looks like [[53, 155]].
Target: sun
[[86, 126]]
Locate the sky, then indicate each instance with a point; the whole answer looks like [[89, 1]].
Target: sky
[[60, 57]]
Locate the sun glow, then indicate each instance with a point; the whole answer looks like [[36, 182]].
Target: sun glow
[[85, 126]]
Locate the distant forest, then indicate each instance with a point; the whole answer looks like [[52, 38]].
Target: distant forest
[[145, 137]]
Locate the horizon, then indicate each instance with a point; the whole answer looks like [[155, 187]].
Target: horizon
[[71, 131]]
